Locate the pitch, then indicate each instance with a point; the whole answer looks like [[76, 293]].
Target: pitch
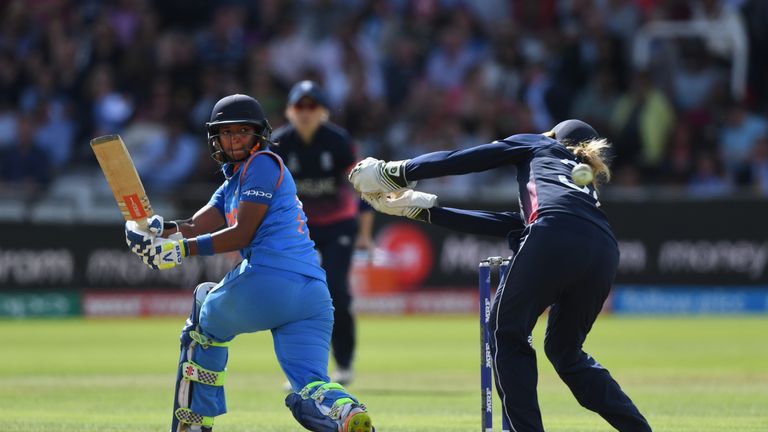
[[686, 374]]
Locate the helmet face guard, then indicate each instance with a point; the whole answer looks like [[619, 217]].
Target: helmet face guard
[[262, 136], [237, 109]]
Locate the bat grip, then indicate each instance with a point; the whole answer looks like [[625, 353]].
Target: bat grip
[[143, 224]]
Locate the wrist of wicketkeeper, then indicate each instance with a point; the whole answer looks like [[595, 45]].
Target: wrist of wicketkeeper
[[392, 174], [419, 214]]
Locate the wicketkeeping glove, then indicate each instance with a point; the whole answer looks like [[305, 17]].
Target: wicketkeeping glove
[[166, 253], [374, 175], [409, 203]]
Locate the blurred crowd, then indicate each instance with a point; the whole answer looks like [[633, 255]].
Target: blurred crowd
[[404, 77]]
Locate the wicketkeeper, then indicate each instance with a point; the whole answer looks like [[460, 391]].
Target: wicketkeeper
[[567, 258]]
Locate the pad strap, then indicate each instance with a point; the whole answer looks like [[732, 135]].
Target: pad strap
[[320, 388], [187, 416], [204, 341], [194, 372]]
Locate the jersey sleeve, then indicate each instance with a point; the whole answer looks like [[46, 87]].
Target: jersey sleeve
[[508, 151], [217, 199], [496, 224], [260, 179]]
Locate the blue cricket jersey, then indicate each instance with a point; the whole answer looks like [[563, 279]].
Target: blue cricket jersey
[[543, 175], [282, 240]]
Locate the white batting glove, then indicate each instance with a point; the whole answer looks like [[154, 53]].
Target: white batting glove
[[138, 240], [409, 203], [374, 175], [166, 253]]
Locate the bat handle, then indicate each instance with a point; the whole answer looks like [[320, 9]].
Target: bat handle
[[143, 224]]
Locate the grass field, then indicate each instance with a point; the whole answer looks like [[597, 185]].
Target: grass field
[[416, 374]]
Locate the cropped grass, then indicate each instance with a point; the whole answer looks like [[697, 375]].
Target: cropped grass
[[686, 374]]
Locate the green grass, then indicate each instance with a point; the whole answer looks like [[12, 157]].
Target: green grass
[[416, 374]]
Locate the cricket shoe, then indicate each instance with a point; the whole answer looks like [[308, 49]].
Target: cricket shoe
[[357, 419]]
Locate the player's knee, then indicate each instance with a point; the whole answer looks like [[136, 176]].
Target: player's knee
[[561, 356], [200, 293]]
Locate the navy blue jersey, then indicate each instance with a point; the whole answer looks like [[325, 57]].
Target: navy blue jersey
[[320, 170], [543, 174]]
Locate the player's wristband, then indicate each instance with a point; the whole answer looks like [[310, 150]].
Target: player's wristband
[[204, 244]]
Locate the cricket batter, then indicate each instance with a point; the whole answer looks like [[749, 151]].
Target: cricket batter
[[567, 258], [320, 154], [279, 285]]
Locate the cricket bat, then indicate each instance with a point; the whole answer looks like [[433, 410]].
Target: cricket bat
[[118, 168]]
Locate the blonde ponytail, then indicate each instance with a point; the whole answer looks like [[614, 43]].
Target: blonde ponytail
[[592, 153]]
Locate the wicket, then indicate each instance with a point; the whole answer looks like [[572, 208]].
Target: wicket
[[486, 361]]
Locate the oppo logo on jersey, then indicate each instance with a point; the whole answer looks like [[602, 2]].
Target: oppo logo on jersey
[[257, 193]]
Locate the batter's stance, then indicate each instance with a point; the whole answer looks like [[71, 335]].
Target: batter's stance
[[279, 285], [567, 258]]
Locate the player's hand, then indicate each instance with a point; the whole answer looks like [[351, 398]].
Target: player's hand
[[166, 253], [138, 240], [409, 203], [374, 175]]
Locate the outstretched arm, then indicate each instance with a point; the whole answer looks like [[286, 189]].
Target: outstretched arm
[[497, 224], [372, 175], [423, 207], [475, 159]]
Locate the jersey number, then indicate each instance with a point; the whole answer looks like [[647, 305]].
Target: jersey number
[[299, 219], [566, 181]]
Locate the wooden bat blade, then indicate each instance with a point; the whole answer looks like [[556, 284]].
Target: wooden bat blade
[[118, 169]]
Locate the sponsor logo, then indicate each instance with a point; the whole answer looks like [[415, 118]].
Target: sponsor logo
[[410, 251], [133, 204], [487, 310], [743, 257], [257, 193], [487, 355], [488, 400]]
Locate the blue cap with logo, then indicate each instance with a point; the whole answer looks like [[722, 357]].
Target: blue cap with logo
[[309, 89]]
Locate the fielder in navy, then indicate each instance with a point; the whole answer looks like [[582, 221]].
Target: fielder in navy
[[320, 155], [278, 286], [567, 258]]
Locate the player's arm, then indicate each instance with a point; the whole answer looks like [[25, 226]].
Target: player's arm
[[497, 224], [475, 159], [238, 236], [207, 220], [372, 175], [259, 180]]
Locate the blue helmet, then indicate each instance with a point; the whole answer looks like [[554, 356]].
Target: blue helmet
[[236, 108]]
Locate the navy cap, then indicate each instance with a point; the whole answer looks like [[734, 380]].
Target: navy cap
[[308, 89], [575, 131]]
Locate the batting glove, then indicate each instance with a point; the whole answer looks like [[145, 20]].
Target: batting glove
[[374, 175], [138, 240], [166, 254], [155, 225], [411, 204]]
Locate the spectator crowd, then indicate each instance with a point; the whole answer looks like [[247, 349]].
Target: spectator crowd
[[404, 77]]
